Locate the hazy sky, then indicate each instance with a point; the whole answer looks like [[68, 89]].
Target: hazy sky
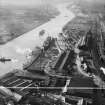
[[36, 2], [29, 2]]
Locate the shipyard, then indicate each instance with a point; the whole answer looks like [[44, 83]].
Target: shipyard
[[58, 61]]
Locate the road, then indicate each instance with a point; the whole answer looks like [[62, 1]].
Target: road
[[21, 46], [78, 61]]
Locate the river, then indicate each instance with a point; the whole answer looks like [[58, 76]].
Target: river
[[18, 48]]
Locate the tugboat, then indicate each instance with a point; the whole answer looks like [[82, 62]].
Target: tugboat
[[3, 60]]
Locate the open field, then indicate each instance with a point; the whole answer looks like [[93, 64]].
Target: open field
[[15, 21]]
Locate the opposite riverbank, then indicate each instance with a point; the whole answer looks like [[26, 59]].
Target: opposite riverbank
[[17, 20]]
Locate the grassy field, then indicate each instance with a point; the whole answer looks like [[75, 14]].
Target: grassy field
[[15, 21]]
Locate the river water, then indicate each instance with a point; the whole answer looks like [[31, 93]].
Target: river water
[[18, 48]]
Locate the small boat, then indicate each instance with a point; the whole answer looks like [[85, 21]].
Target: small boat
[[3, 60], [42, 32]]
